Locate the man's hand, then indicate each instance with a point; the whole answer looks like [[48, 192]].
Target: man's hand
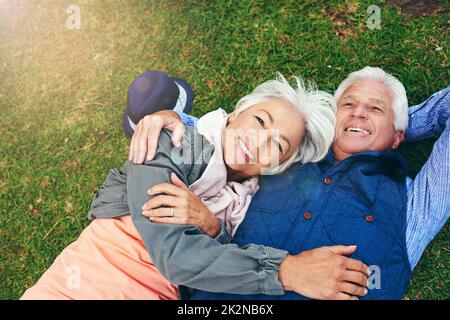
[[324, 273], [145, 138]]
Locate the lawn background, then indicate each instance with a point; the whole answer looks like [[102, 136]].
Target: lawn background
[[62, 93]]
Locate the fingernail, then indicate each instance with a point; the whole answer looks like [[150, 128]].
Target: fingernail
[[365, 291], [145, 213], [369, 272]]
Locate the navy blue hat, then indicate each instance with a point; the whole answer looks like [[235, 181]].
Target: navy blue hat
[[154, 91]]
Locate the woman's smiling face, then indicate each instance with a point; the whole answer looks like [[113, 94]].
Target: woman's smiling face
[[262, 136]]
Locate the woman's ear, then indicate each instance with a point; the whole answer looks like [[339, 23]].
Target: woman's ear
[[235, 113], [232, 116]]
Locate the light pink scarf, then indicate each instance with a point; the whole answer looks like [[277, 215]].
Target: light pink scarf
[[228, 200]]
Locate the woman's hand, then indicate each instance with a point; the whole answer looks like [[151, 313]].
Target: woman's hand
[[145, 138], [185, 206]]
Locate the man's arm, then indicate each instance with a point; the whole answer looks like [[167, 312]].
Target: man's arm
[[428, 118], [428, 204]]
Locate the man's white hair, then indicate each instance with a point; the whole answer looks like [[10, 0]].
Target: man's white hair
[[317, 108], [400, 101]]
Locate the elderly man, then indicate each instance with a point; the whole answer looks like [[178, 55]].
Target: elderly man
[[358, 197]]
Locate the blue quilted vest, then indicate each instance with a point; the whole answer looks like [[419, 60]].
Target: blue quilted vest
[[359, 201]]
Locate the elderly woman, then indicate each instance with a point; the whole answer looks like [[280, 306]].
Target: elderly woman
[[131, 252]]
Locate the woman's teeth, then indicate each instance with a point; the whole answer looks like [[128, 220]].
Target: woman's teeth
[[358, 130], [246, 151]]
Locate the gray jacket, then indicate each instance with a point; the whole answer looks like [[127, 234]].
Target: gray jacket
[[182, 253]]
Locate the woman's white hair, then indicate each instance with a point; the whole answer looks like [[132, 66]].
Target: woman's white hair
[[317, 108], [400, 101]]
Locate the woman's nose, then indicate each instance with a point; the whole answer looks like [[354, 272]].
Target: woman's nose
[[267, 152], [268, 156], [256, 138]]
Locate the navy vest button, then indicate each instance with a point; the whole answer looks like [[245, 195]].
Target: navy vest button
[[368, 218], [307, 215], [327, 181]]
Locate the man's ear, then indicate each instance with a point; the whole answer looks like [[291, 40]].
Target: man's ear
[[399, 136]]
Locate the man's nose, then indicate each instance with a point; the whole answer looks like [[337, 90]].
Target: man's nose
[[360, 111]]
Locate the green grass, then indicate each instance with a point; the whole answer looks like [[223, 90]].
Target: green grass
[[62, 93]]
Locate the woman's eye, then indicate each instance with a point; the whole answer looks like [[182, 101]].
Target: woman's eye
[[261, 121], [279, 146]]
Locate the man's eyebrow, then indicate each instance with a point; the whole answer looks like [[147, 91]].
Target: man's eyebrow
[[268, 114], [373, 100], [350, 96], [378, 101]]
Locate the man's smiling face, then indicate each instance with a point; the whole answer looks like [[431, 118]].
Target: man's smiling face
[[365, 120]]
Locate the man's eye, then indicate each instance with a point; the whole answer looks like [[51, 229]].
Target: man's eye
[[376, 109], [261, 121]]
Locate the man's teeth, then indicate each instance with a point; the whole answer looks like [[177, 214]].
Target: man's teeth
[[246, 151], [358, 130]]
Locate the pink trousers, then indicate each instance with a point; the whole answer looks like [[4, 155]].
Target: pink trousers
[[107, 261]]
